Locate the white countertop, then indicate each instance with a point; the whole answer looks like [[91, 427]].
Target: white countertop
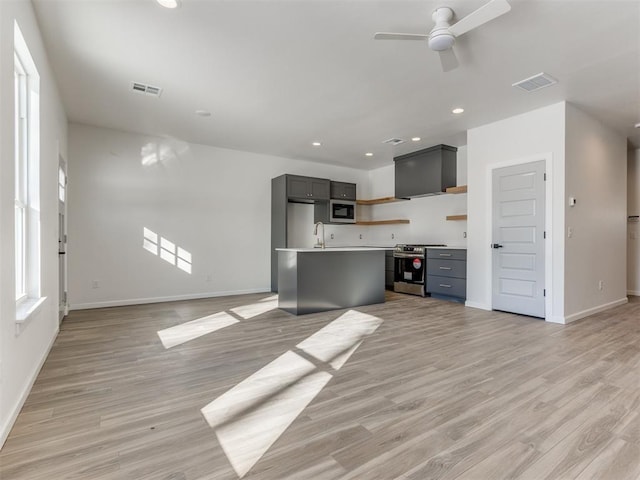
[[333, 249], [450, 247]]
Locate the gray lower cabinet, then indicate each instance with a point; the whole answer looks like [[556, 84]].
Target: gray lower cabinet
[[389, 269], [447, 273]]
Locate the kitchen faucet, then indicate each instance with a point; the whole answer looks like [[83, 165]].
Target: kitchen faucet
[[315, 232]]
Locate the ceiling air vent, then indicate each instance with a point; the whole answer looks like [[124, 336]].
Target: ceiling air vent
[[394, 141], [146, 89], [536, 82]]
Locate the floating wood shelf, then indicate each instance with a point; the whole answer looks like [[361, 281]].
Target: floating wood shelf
[[379, 201], [456, 217], [460, 189], [381, 222]]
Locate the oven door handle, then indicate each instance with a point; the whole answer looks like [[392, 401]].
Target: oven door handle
[[400, 255]]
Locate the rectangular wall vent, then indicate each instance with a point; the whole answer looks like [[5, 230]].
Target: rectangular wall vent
[[536, 82], [394, 141], [146, 89]]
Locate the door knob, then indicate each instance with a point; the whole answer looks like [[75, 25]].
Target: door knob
[[496, 245]]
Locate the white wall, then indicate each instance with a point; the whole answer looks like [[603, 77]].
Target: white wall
[[214, 203], [535, 135], [22, 355], [633, 228], [596, 175]]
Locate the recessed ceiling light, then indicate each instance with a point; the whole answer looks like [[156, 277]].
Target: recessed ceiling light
[[203, 113], [369, 154], [169, 3], [415, 139], [457, 111], [316, 144]]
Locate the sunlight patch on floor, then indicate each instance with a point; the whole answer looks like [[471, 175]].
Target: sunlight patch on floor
[[250, 417], [336, 342], [263, 306], [179, 334]]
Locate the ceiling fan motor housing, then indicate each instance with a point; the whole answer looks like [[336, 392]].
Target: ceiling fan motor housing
[[441, 41], [440, 38]]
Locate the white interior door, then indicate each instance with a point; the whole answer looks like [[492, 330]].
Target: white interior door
[[518, 239]]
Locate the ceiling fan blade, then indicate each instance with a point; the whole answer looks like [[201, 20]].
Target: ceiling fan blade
[[484, 14], [448, 60], [399, 36]]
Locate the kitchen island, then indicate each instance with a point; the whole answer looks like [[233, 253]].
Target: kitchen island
[[320, 279]]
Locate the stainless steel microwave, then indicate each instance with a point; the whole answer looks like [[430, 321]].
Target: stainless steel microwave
[[342, 211]]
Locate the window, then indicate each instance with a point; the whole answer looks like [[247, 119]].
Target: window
[[62, 185], [21, 157], [27, 181]]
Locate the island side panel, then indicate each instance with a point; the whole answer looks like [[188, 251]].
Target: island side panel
[[288, 281], [330, 280]]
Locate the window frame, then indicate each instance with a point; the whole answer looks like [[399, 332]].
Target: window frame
[[21, 185], [27, 234]]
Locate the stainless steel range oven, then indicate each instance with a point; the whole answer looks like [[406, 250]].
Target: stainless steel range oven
[[409, 269]]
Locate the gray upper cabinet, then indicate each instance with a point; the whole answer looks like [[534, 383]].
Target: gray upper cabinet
[[307, 188], [343, 191], [426, 172]]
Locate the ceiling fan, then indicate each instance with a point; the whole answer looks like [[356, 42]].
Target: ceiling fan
[[442, 36]]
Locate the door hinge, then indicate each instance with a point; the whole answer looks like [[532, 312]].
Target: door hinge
[[544, 176], [544, 292], [544, 234], [64, 298]]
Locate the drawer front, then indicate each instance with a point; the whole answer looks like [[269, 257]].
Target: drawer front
[[447, 268], [451, 253], [455, 287]]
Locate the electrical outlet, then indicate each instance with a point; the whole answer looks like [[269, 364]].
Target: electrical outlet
[[95, 284], [360, 236], [600, 284], [392, 236], [569, 232], [331, 236], [464, 234]]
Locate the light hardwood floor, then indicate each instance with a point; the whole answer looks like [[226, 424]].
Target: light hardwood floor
[[436, 390]]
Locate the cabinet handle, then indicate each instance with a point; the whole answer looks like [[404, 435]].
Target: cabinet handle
[[445, 268], [445, 254], [445, 285]]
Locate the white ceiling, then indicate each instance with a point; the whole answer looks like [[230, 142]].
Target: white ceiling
[[279, 74]]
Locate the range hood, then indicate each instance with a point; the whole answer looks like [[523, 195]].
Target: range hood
[[425, 172]]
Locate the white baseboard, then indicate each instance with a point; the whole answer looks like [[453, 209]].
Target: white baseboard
[[635, 293], [591, 311], [481, 306], [555, 319], [173, 298], [6, 427], [570, 318]]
